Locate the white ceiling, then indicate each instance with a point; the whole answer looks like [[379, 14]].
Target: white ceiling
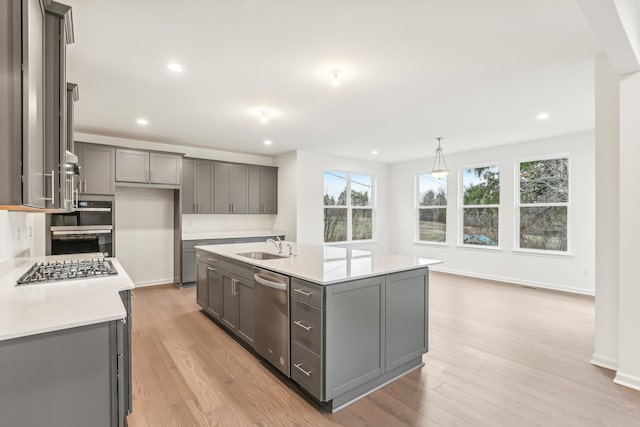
[[476, 73]]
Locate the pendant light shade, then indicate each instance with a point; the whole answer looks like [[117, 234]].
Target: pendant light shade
[[439, 169]]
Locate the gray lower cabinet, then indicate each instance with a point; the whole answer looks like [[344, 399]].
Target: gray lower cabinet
[[225, 291], [73, 378], [97, 168], [349, 338]]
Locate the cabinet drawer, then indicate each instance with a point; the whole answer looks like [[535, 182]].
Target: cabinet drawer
[[306, 370], [307, 292], [208, 258], [306, 325], [239, 269]]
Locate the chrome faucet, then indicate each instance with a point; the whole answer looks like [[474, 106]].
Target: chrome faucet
[[278, 244]]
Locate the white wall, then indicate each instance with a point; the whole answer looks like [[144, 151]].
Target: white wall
[[573, 273], [629, 320], [310, 188], [144, 234], [21, 234], [607, 84], [211, 223], [287, 195]]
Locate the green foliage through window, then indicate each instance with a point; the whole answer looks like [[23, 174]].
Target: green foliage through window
[[544, 204], [432, 211], [348, 218]]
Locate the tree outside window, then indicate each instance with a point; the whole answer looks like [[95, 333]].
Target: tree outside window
[[480, 205], [432, 208], [544, 204], [348, 218]]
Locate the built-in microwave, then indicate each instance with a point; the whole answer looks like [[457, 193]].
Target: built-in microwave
[[86, 230]]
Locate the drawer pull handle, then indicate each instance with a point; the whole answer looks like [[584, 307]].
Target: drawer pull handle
[[299, 323], [300, 291], [212, 269], [298, 365]]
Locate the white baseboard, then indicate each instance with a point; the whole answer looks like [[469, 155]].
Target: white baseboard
[[155, 282], [604, 362], [627, 380], [515, 281]]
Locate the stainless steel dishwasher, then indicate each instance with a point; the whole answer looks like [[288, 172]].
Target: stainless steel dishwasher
[[271, 299]]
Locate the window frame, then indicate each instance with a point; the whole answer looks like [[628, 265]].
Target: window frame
[[518, 205], [462, 206], [417, 208], [349, 208]]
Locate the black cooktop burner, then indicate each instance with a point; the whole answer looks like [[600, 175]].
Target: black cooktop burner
[[67, 270]]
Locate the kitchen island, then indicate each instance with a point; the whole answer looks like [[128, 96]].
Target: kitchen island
[[356, 320], [65, 345]]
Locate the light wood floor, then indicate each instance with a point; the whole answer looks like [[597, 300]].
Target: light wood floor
[[499, 355]]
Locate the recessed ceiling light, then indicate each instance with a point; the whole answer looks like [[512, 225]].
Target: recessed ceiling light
[[267, 142], [142, 122], [176, 68], [264, 116], [374, 152], [542, 116], [335, 77]]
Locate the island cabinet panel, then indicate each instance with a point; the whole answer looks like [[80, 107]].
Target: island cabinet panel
[[214, 306], [202, 284], [189, 259], [407, 296], [246, 316], [229, 302], [355, 332]]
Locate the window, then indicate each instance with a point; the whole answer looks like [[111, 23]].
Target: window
[[480, 205], [348, 218], [432, 208], [544, 204]]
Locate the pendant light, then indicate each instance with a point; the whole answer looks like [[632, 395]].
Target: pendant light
[[441, 170]]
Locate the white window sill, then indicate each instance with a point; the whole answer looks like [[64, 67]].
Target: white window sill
[[349, 242], [534, 252], [425, 243], [480, 248]]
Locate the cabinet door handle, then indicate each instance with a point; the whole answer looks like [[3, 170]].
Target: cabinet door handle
[[212, 269], [299, 367], [299, 323], [53, 187], [85, 185], [300, 291]]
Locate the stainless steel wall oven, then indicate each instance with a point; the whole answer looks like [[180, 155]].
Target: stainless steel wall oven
[[88, 229]]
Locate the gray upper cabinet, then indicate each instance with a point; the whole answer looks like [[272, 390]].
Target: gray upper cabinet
[[197, 186], [22, 96], [97, 168], [58, 33], [144, 167], [132, 166], [263, 190], [165, 168], [231, 188]]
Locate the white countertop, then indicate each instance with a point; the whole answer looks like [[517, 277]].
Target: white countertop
[[46, 307], [230, 234], [323, 265]]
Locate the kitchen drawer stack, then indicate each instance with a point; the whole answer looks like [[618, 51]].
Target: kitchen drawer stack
[[307, 345]]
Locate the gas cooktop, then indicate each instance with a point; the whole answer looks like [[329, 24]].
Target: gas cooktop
[[67, 270]]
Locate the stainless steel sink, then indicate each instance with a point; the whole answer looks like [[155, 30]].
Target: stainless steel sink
[[261, 255]]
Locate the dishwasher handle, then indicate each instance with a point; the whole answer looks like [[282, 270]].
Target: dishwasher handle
[[264, 280]]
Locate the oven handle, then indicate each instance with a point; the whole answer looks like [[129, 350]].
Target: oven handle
[[93, 209], [81, 227], [67, 233], [269, 283]]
